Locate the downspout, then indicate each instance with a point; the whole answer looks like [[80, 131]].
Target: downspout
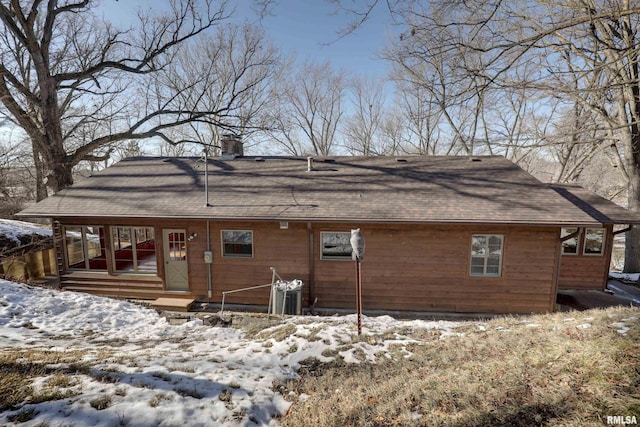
[[206, 204], [208, 265], [312, 290], [206, 177], [607, 247], [624, 230]]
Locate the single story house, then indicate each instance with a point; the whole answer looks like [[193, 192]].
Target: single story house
[[443, 234]]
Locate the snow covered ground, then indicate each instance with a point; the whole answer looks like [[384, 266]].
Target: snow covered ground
[[12, 229], [150, 372]]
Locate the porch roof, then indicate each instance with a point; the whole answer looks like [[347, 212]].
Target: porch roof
[[599, 208]]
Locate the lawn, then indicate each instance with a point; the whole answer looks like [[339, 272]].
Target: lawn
[[74, 359], [565, 369]]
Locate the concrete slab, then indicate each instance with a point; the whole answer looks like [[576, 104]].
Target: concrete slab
[[585, 300], [619, 294]]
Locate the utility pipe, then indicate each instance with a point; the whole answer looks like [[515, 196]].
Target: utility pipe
[[210, 264]]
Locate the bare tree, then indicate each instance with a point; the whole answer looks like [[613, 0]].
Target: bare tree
[[420, 118], [64, 74], [392, 131], [310, 111], [581, 52], [16, 174], [363, 133], [231, 73]]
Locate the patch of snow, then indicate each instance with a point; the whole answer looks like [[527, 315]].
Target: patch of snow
[[188, 374], [630, 277], [584, 325], [447, 334], [303, 397], [621, 328], [532, 325], [568, 319], [13, 229]]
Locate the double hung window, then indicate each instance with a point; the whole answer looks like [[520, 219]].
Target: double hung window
[[486, 255]]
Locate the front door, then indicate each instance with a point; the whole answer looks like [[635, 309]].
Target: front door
[[176, 272]]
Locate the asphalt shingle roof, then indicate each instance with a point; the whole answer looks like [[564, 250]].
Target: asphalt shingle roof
[[488, 189], [599, 208]]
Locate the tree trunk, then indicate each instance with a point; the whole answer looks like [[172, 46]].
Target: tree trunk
[[632, 157], [41, 186], [632, 237], [61, 176]]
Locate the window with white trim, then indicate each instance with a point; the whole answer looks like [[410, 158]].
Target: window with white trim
[[85, 248], [594, 241], [134, 249], [335, 245], [237, 243], [570, 246], [486, 255]]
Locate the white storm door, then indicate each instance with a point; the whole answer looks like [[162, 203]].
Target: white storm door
[[176, 272]]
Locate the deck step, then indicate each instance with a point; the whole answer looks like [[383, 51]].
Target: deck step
[[111, 284], [173, 304], [110, 291]]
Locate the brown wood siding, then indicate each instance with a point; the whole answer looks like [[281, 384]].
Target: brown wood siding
[[426, 268], [407, 267], [586, 272], [284, 249]]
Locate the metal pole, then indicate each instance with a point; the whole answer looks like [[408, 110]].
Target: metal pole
[[208, 265], [359, 296], [206, 176]]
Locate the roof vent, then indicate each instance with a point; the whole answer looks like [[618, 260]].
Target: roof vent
[[475, 159], [309, 164], [329, 160], [166, 160], [401, 160], [258, 159]]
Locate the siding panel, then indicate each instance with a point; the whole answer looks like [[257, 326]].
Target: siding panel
[[406, 267]]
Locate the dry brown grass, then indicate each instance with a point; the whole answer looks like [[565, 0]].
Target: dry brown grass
[[557, 373], [19, 368], [278, 333]]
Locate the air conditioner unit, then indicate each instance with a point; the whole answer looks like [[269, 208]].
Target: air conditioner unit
[[287, 295]]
